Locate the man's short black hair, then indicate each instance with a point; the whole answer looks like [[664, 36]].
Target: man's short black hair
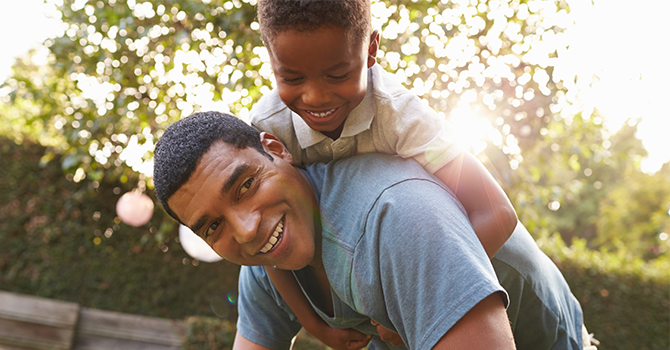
[[183, 144], [276, 16]]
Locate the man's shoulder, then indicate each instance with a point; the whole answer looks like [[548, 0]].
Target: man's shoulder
[[355, 183], [369, 170]]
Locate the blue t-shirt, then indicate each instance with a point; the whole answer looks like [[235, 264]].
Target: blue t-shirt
[[398, 248]]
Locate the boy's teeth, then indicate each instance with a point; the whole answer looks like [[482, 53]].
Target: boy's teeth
[[322, 114]]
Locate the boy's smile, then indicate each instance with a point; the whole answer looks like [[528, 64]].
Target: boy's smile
[[321, 75]]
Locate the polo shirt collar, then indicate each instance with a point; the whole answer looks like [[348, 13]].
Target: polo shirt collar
[[358, 121]]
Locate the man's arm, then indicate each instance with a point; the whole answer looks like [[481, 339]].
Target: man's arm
[[242, 343], [484, 327], [489, 210]]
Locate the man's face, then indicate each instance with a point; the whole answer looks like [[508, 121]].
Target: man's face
[[249, 209], [321, 75]]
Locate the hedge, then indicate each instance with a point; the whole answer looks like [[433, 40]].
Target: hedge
[[62, 240]]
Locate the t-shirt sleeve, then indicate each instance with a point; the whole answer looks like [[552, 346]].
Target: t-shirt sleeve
[[431, 267], [264, 318], [414, 130]]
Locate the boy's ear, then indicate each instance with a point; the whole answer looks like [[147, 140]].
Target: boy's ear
[[372, 49], [274, 147]]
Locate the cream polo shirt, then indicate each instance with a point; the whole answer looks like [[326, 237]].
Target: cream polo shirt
[[390, 120]]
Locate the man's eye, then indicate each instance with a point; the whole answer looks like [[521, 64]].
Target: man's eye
[[211, 229], [246, 186]]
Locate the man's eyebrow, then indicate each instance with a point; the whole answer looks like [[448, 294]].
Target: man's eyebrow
[[198, 225], [226, 187], [234, 177]]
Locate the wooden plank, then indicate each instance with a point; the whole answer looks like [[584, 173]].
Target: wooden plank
[[104, 326], [28, 322], [34, 336], [38, 310], [94, 342]]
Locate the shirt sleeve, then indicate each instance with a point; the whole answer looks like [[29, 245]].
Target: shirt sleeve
[[410, 127], [264, 318], [431, 268]]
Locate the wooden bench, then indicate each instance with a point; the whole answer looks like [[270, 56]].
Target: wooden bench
[[113, 330], [30, 323]]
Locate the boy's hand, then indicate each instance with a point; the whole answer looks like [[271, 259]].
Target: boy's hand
[[388, 335], [345, 339]]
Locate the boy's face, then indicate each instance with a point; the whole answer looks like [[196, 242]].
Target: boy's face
[[249, 209], [321, 75]]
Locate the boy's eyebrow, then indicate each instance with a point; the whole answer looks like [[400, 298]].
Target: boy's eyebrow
[[335, 67], [232, 179]]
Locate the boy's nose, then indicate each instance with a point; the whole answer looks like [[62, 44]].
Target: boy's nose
[[245, 225], [315, 95]]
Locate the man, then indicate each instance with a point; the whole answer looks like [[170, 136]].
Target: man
[[364, 240]]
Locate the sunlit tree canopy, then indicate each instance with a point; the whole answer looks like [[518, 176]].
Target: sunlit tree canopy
[[123, 70]]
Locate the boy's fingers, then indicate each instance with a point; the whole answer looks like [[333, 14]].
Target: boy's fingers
[[374, 323], [359, 344], [389, 336]]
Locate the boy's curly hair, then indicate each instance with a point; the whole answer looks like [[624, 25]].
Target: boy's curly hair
[[276, 16]]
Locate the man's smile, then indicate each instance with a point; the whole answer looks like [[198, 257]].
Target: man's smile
[[274, 239]]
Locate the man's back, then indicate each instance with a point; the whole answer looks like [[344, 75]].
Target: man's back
[[543, 312]]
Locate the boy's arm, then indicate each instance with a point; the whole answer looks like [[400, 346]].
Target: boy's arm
[[290, 291], [489, 210]]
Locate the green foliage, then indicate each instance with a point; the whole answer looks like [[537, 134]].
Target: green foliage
[[205, 333], [625, 299], [591, 187], [62, 240], [123, 70]]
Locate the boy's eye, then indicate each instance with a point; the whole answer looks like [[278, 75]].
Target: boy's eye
[[211, 229], [246, 186], [339, 77], [292, 80]]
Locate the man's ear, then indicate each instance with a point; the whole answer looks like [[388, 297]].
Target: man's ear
[[373, 48], [274, 147]]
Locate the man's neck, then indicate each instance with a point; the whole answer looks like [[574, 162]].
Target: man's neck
[[317, 261]]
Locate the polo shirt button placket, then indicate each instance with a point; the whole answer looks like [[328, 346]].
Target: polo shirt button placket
[[327, 148]]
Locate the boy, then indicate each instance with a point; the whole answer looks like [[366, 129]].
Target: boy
[[332, 101]]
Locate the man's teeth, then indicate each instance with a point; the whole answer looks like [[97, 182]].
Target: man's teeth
[[274, 239], [323, 114]]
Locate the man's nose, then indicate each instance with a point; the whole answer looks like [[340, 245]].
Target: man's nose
[[245, 225], [315, 94]]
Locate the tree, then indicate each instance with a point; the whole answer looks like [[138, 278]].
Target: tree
[[124, 70]]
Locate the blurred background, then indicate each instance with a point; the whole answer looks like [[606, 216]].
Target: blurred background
[[565, 102]]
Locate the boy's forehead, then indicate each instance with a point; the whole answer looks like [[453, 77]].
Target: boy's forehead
[[304, 33]]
